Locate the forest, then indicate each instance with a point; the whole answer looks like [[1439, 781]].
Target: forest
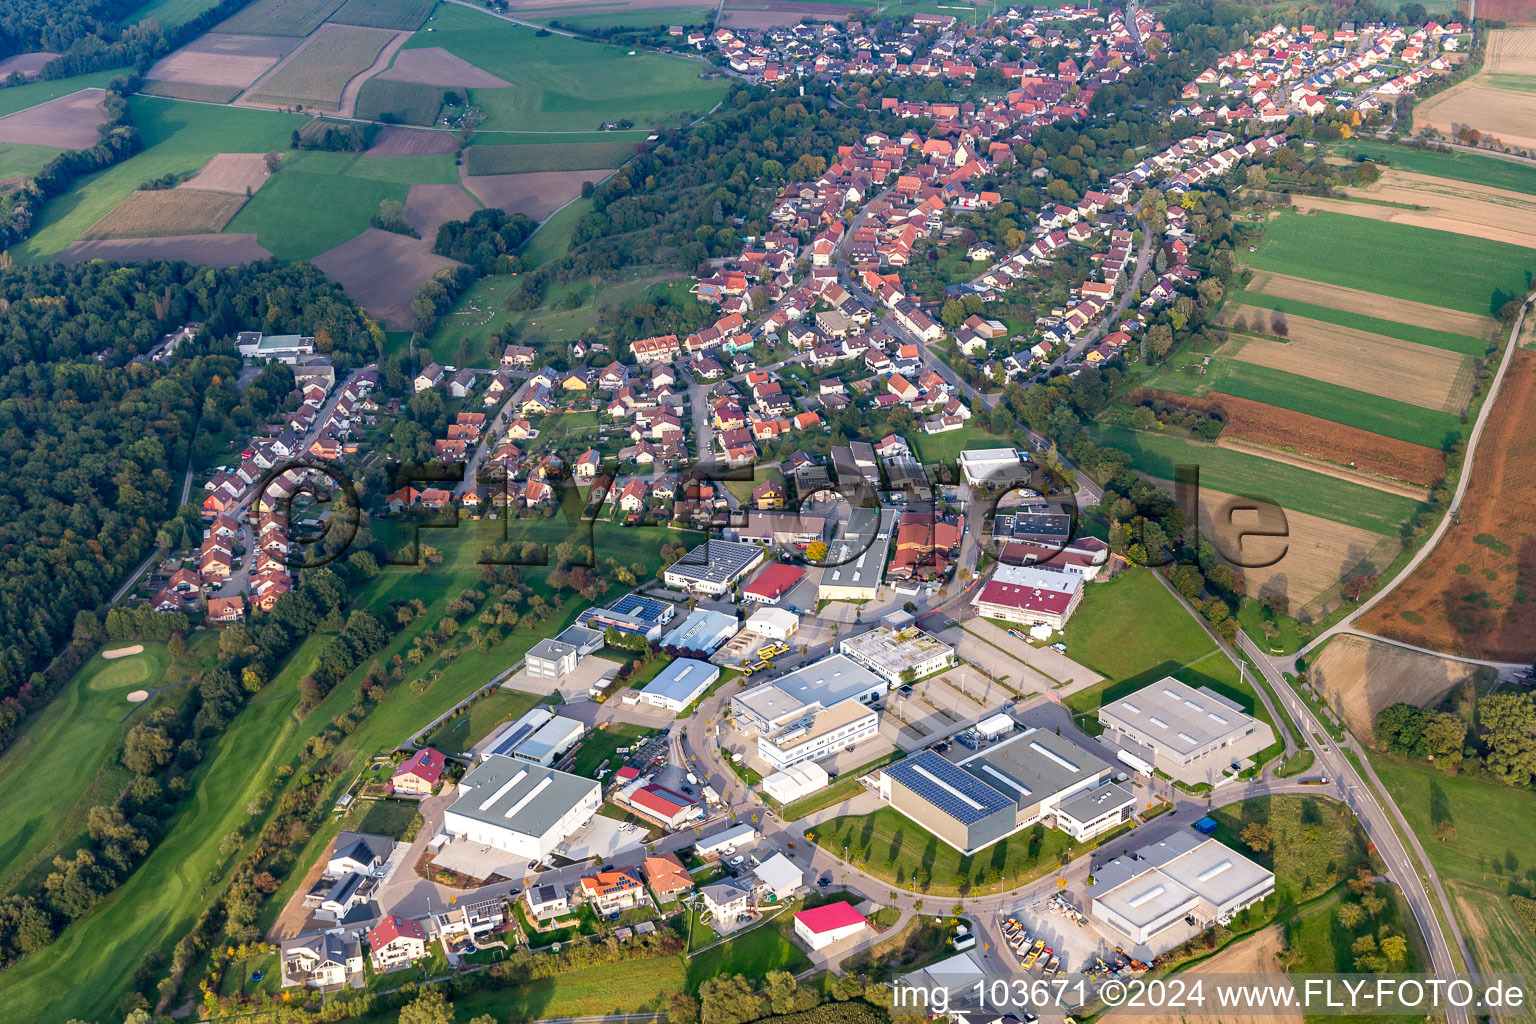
[[94, 442]]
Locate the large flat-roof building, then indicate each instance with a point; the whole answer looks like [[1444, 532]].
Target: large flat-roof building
[[712, 567], [994, 468], [890, 652], [703, 630], [812, 712], [680, 684], [1189, 731], [508, 738], [1030, 596], [557, 656], [525, 809], [550, 741], [632, 614], [973, 803], [1146, 897]]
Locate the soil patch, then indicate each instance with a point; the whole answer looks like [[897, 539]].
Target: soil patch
[[381, 271], [1508, 115], [1324, 467], [69, 122], [220, 59], [1360, 676], [1259, 953], [1334, 445], [396, 141], [202, 250], [1475, 595], [428, 207], [1370, 304], [236, 173], [433, 65], [122, 652], [537, 194], [27, 65]]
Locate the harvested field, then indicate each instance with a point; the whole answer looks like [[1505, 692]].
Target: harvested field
[[434, 65], [1360, 676], [775, 13], [1509, 115], [1511, 11], [381, 271], [218, 60], [553, 156], [430, 206], [1309, 561], [296, 18], [27, 65], [1257, 954], [1333, 469], [1472, 595], [1373, 456], [220, 94], [1511, 51], [236, 173], [1430, 378], [396, 141], [1382, 307], [1456, 206], [537, 195], [202, 250], [318, 72], [174, 211], [400, 15], [68, 122]]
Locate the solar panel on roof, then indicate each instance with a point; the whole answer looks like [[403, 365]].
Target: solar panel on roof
[[957, 793]]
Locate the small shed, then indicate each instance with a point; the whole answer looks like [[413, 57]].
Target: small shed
[[994, 726], [1206, 825]]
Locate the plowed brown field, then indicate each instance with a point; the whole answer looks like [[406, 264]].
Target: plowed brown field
[[1360, 676], [1475, 595], [1281, 428]]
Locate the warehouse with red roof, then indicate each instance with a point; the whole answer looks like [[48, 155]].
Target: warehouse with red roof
[[773, 583], [820, 927]]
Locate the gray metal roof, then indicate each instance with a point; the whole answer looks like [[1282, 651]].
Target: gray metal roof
[[1178, 715], [1034, 766], [1097, 802], [716, 561], [682, 679], [519, 795]]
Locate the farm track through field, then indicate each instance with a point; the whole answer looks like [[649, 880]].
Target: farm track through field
[[1382, 307], [348, 105], [1328, 468]]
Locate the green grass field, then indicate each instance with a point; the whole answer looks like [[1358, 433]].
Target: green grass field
[[553, 156], [1412, 423], [1318, 843], [563, 84], [169, 13], [621, 19], [178, 137], [1484, 856], [20, 97], [633, 986], [406, 102], [1288, 486], [1401, 261], [1458, 166], [946, 447], [319, 200], [24, 161], [70, 751], [1360, 322], [599, 746], [752, 954], [464, 730], [892, 847]]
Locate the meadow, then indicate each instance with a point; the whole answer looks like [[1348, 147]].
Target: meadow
[[169, 13], [1401, 261], [178, 137], [401, 15], [1458, 166], [553, 156], [1375, 413], [24, 161], [560, 84], [406, 102], [279, 18], [1288, 486]]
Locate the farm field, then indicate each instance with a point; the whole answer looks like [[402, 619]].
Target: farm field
[[318, 72], [1281, 429], [1257, 304], [428, 207], [27, 65], [1418, 314], [561, 84], [224, 250], [69, 122], [1455, 206], [1471, 597], [395, 141], [400, 15], [176, 211], [23, 97], [296, 18], [87, 718], [18, 162], [1373, 413], [239, 174], [381, 271], [169, 13], [1499, 100], [1398, 261], [1360, 676], [216, 67], [178, 137], [591, 16], [1430, 378], [1481, 858], [538, 194], [1231, 472], [1492, 171], [554, 156]]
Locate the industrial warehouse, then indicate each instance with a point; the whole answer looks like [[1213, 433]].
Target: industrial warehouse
[[1193, 735], [812, 712], [523, 808]]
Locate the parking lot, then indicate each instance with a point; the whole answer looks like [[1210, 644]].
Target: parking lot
[[939, 706]]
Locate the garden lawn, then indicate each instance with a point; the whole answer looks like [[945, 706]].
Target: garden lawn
[[600, 744], [464, 730], [1458, 166], [752, 954], [391, 818], [561, 84], [894, 848], [1419, 264], [946, 447], [69, 751], [1401, 420], [1290, 487], [177, 137]]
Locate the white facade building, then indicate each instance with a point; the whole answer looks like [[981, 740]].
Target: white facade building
[[522, 808]]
